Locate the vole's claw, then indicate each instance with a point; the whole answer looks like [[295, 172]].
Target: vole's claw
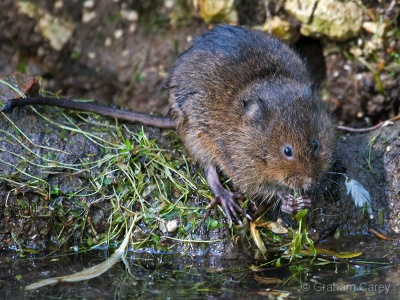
[[227, 200]]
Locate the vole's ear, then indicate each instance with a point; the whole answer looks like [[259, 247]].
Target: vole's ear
[[306, 92], [252, 106]]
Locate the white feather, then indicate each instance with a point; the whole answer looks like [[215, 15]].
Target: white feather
[[359, 194]]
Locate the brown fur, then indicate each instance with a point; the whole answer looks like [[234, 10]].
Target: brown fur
[[238, 97]]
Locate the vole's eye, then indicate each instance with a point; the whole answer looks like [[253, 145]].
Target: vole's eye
[[287, 151], [315, 145]]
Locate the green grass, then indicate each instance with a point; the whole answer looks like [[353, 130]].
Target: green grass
[[131, 175]]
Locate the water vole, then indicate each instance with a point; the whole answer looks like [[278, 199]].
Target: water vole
[[243, 102]]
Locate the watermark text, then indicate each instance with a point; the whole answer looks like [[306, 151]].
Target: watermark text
[[335, 287]]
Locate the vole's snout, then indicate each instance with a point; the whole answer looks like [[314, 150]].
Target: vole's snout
[[308, 183], [302, 182]]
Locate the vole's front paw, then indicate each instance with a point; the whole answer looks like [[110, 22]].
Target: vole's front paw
[[224, 197], [292, 205]]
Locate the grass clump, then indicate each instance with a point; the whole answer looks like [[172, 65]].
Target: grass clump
[[87, 177]]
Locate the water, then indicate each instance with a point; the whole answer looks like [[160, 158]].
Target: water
[[184, 277]]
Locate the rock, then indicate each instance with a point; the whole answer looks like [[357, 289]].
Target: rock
[[338, 20], [216, 11], [282, 29], [56, 30]]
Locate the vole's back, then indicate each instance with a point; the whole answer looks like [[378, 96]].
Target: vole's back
[[229, 57]]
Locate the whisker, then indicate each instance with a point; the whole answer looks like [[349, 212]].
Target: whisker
[[332, 181]]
